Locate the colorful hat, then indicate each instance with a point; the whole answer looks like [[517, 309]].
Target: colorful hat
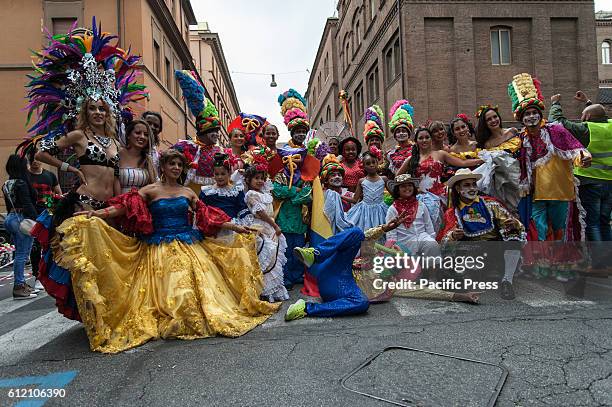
[[293, 109], [402, 179], [401, 115], [373, 125], [250, 124], [524, 92], [257, 158], [207, 115], [330, 163], [73, 68]]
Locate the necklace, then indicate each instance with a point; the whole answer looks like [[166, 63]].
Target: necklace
[[104, 141]]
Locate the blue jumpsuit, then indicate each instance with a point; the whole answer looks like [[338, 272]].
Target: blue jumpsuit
[[337, 287]]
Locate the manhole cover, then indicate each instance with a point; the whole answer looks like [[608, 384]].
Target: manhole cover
[[413, 377]]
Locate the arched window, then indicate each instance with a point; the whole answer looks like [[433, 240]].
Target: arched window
[[328, 114], [357, 33], [605, 52], [372, 9]]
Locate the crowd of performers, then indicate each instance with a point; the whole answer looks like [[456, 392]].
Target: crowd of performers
[[197, 240]]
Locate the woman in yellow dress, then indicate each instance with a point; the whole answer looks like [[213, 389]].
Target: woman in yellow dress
[[170, 282]]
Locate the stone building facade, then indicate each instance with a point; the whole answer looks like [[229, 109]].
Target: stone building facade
[[449, 57], [603, 23]]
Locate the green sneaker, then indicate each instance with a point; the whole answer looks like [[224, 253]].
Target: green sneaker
[[305, 254], [296, 311]]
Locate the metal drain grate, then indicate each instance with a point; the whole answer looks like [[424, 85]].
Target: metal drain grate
[[413, 377]]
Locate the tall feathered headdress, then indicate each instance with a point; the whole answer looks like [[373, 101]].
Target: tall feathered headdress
[[373, 124], [207, 115], [524, 92], [73, 68], [401, 115], [293, 109]]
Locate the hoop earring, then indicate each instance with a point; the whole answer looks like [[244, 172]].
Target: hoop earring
[[163, 178]]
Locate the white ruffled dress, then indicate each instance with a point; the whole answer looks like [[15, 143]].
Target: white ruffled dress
[[270, 248]]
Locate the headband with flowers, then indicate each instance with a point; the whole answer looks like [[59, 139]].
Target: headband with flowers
[[482, 108]]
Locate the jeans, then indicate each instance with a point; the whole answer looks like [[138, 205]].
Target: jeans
[[23, 245], [597, 201], [293, 270]]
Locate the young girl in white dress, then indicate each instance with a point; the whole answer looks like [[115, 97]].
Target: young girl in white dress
[[271, 243]]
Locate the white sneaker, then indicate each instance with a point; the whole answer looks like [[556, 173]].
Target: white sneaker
[[38, 286], [32, 289]]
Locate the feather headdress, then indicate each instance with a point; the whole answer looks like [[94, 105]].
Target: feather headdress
[[73, 68], [207, 115]]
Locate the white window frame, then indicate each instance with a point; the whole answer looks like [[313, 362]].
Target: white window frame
[[499, 45], [605, 59]]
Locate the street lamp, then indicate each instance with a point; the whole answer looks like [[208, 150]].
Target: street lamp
[[273, 83]]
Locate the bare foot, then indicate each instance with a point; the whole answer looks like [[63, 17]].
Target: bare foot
[[471, 297]]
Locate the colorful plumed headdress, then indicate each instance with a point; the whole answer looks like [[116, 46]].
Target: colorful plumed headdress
[[524, 92], [207, 115], [401, 115], [293, 109], [73, 68], [330, 163], [373, 124], [250, 124]]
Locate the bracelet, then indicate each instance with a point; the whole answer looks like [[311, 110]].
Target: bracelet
[[64, 167]]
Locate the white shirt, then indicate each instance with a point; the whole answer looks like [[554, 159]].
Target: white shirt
[[421, 229]]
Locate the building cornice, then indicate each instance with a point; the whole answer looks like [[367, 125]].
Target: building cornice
[[215, 41], [165, 18], [191, 18], [331, 21]]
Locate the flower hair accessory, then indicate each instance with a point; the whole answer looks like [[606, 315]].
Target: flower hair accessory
[[375, 151], [482, 108], [257, 159], [463, 117], [317, 148]]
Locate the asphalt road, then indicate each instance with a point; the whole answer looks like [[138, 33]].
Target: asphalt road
[[557, 351]]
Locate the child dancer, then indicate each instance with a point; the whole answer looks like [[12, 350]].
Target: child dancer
[[227, 196], [271, 243], [370, 210]]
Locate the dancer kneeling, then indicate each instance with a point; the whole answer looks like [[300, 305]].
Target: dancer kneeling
[[170, 283]]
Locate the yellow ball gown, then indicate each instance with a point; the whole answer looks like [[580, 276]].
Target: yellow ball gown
[[171, 284]]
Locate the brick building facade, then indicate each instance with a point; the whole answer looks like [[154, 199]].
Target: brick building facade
[[603, 24], [450, 56]]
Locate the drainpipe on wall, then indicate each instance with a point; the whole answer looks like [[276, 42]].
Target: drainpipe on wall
[[401, 36]]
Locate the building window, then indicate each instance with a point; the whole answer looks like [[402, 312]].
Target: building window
[[319, 82], [397, 57], [500, 46], [389, 71], [346, 55], [359, 110], [328, 114], [357, 33], [169, 75], [321, 121], [326, 67], [62, 25], [605, 52], [156, 58], [373, 85], [372, 9]]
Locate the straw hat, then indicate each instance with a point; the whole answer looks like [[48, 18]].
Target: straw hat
[[402, 179], [461, 174]]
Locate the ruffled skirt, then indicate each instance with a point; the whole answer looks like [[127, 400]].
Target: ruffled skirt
[[271, 255], [129, 292], [366, 216]]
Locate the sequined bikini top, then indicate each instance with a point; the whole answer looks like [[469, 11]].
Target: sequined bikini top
[[96, 155]]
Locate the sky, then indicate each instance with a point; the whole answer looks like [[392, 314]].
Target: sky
[[263, 37]]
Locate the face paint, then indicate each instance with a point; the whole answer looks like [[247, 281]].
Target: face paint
[[531, 117], [335, 179], [468, 189]]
